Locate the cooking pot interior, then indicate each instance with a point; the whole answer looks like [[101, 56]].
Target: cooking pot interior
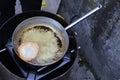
[[36, 21]]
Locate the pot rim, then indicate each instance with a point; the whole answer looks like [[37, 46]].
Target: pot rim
[[51, 21]]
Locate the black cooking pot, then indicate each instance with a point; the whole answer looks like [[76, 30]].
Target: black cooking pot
[[20, 19], [9, 27]]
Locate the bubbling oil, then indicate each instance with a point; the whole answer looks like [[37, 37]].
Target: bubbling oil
[[49, 39]]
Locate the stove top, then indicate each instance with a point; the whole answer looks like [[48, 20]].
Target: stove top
[[21, 69]]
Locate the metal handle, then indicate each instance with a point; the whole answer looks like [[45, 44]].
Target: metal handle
[[2, 50], [80, 19]]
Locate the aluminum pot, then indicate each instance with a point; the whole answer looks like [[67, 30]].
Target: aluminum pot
[[53, 24], [50, 23]]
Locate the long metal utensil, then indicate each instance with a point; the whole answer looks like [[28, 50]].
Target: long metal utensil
[[83, 17]]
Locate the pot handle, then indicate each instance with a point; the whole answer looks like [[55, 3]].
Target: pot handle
[[2, 50], [83, 17]]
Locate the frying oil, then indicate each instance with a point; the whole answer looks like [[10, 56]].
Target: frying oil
[[50, 43]]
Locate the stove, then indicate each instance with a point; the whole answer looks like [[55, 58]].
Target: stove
[[21, 69]]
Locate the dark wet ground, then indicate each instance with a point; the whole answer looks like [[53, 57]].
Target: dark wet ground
[[98, 36], [99, 39]]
